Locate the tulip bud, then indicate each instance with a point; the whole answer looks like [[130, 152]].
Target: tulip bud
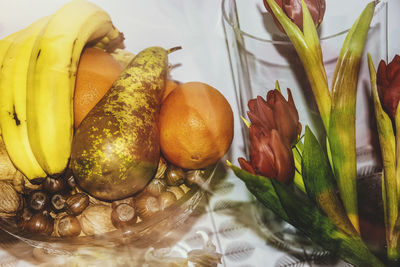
[[293, 10], [269, 155], [388, 83], [276, 113]]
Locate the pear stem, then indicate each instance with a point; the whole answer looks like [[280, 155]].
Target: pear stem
[[173, 49]]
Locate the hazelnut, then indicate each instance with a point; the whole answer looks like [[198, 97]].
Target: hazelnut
[[194, 177], [53, 185], [67, 226], [123, 215], [176, 190], [166, 199], [93, 200], [162, 166], [38, 200], [77, 203], [147, 205], [175, 175], [40, 223], [10, 201], [184, 188], [96, 219], [69, 178], [58, 202], [156, 186], [23, 218], [129, 201]]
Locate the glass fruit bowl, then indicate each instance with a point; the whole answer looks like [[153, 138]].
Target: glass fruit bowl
[[144, 233], [167, 30]]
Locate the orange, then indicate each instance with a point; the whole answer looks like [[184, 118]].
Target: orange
[[196, 125], [169, 86], [97, 70]]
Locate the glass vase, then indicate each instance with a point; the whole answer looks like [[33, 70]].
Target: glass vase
[[261, 55]]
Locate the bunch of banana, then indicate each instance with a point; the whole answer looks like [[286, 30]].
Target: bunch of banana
[[37, 81]]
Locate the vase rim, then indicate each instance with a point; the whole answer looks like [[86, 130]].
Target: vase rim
[[234, 25]]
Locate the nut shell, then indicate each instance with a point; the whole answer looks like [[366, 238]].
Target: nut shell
[[23, 218], [67, 226], [130, 201], [58, 203], [77, 203], [166, 199], [176, 190], [38, 200], [162, 167], [156, 186], [123, 215], [41, 223], [175, 175], [10, 200], [194, 177], [147, 205], [69, 178], [53, 185], [96, 219]]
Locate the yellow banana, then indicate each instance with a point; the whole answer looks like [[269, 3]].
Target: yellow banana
[[5, 44], [51, 79], [13, 77]]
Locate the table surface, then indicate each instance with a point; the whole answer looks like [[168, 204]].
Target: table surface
[[227, 213]]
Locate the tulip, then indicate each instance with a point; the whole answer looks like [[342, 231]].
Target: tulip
[[389, 145], [388, 82], [276, 113], [293, 10], [269, 155]]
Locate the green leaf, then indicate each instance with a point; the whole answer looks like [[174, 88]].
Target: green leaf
[[262, 189], [277, 86], [304, 215], [342, 131], [297, 156], [320, 183], [308, 219], [388, 148], [310, 32], [397, 142]]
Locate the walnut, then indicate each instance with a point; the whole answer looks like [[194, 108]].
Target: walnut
[[96, 219], [7, 168], [10, 200]]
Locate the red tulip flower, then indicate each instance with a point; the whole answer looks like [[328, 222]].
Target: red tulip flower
[[276, 113], [388, 83], [269, 155], [293, 10]]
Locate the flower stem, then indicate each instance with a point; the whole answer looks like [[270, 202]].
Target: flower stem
[[309, 50]]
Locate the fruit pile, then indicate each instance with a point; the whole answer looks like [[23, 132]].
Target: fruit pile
[[95, 138]]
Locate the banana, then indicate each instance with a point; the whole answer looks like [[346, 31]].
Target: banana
[[5, 44], [13, 77], [51, 79]]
